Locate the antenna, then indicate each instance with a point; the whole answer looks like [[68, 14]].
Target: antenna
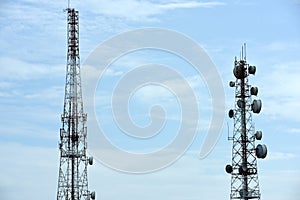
[[68, 3], [245, 51], [243, 169], [242, 53], [229, 138]]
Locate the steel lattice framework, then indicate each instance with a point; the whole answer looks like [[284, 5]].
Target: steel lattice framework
[[244, 173], [73, 180]]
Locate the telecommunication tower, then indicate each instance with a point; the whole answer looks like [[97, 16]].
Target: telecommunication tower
[[243, 170], [73, 180]]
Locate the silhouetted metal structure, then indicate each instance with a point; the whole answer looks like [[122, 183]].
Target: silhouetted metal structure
[[244, 173], [73, 180]]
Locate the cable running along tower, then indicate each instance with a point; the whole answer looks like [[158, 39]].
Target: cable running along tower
[[244, 173], [73, 180]]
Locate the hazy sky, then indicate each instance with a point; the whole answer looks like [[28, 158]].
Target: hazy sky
[[32, 78]]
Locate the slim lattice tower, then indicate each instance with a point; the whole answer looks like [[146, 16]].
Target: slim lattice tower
[[73, 180], [244, 173]]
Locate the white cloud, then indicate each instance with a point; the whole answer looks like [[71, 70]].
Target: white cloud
[[32, 31], [28, 172], [22, 167], [280, 156], [30, 123], [154, 93], [280, 46], [49, 94], [185, 179], [141, 10], [18, 70], [5, 84], [191, 4], [279, 184], [278, 90], [294, 130]]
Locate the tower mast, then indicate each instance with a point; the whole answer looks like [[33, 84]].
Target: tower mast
[[244, 173], [73, 180]]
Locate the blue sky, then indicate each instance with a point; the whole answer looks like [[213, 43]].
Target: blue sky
[[32, 63]]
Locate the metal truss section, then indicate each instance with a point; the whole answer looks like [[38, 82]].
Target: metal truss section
[[243, 170], [73, 179]]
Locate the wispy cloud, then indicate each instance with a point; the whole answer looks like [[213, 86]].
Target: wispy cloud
[[191, 4], [46, 18], [18, 70], [278, 84], [294, 130], [281, 156], [33, 31], [28, 166], [281, 46], [142, 10]]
